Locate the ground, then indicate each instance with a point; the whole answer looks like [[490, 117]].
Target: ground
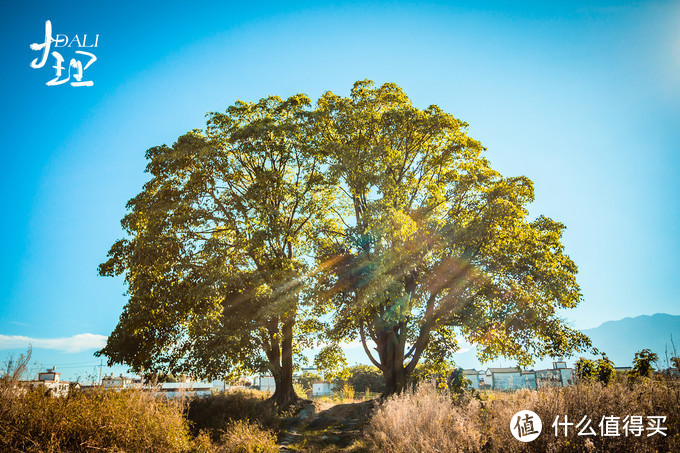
[[326, 427]]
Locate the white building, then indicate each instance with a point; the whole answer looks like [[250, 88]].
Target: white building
[[320, 388], [265, 383], [514, 378], [174, 389], [121, 382], [50, 380], [503, 378], [473, 376]]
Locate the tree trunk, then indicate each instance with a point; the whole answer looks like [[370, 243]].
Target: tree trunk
[[391, 352], [284, 394], [396, 380]]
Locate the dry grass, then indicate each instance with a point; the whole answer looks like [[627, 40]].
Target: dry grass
[[424, 421], [31, 421], [247, 437], [429, 421], [132, 421]]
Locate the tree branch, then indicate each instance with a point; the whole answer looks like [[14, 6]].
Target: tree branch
[[368, 352]]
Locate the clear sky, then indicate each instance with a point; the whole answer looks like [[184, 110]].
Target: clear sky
[[581, 97]]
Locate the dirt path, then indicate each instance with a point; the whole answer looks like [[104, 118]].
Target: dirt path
[[325, 426]]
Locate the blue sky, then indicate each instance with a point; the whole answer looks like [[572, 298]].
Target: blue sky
[[583, 98]]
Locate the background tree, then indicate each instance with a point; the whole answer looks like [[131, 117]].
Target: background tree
[[457, 381], [307, 378], [436, 244], [642, 363], [15, 369], [585, 369], [214, 259], [366, 378], [443, 375], [362, 378], [605, 370], [675, 361]]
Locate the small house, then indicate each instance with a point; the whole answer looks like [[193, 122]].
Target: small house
[[50, 379], [527, 379], [320, 388], [473, 376], [121, 382], [503, 378]]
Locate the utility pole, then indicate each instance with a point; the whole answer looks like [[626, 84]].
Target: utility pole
[[101, 363]]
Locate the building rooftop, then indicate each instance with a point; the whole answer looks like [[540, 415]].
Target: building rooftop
[[503, 370]]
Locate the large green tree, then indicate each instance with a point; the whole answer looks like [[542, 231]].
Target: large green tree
[[216, 240], [435, 244]]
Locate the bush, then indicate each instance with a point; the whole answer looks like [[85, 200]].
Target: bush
[[362, 378], [675, 361], [443, 374], [585, 369], [214, 414], [347, 392], [601, 370]]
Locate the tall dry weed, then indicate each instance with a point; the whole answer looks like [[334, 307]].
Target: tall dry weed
[[429, 421], [33, 421], [247, 437], [424, 420]]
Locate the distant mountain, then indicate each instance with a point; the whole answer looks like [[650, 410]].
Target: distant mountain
[[621, 339]]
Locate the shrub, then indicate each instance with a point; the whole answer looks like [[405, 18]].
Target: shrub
[[675, 361], [601, 370], [346, 392], [362, 378], [214, 414], [443, 374], [457, 381]]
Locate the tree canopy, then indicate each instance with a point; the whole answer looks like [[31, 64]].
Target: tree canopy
[[362, 217], [436, 243], [214, 258]]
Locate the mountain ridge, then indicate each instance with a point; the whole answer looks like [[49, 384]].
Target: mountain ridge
[[621, 339]]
